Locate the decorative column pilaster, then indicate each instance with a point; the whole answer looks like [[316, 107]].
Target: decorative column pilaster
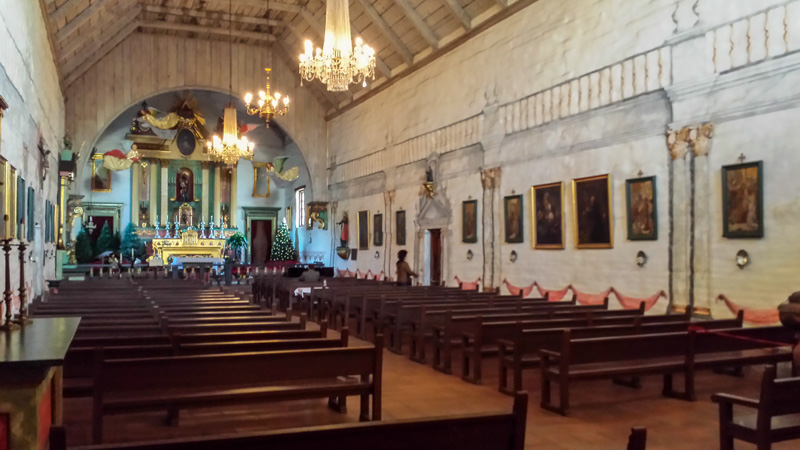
[[165, 190], [154, 177], [204, 193], [234, 181], [700, 139], [217, 192], [679, 213], [135, 182], [388, 201], [490, 181]]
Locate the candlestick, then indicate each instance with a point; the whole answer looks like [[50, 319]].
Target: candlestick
[[8, 293], [23, 303]]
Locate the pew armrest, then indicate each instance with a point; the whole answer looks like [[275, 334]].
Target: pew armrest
[[734, 400], [467, 339], [548, 356], [505, 345]]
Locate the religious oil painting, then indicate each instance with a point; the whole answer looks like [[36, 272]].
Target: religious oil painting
[[642, 214], [469, 221], [377, 230], [743, 201], [400, 227], [548, 216], [591, 198], [261, 183], [363, 230], [101, 177], [289, 217], [513, 219]]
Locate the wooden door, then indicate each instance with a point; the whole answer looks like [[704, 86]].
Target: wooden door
[[436, 257]]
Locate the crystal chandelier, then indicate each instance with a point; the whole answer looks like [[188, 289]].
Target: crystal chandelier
[[338, 64], [269, 106], [230, 148]]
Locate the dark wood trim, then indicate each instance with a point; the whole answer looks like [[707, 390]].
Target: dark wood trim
[[435, 55]]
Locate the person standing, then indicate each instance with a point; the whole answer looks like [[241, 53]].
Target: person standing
[[404, 272]]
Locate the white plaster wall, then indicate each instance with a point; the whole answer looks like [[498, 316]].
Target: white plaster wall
[[549, 42], [29, 83]]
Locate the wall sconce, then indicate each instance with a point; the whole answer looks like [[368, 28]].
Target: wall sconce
[[641, 258], [377, 254], [742, 259], [469, 255], [513, 256]]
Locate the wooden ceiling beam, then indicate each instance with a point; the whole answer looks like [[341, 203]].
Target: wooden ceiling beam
[[80, 19], [387, 31], [89, 59], [64, 10], [158, 25], [419, 24], [459, 13], [94, 45], [213, 15], [91, 34]]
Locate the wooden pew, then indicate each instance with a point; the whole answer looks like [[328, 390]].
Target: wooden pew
[[658, 354], [484, 341], [637, 439], [79, 361], [777, 413], [172, 383], [251, 335], [486, 431], [522, 352]]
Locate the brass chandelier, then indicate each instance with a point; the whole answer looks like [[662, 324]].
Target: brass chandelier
[[269, 105], [337, 63], [230, 148]]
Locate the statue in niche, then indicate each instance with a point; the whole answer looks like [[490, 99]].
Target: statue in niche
[[184, 186], [185, 215]]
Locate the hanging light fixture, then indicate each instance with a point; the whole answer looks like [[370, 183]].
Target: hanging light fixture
[[269, 105], [230, 148], [337, 63]]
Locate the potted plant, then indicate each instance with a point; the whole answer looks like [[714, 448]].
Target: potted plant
[[235, 243]]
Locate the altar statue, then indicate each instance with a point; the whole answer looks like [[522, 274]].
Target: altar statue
[[184, 186]]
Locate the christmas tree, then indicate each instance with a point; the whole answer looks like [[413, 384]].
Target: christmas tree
[[83, 248], [130, 241], [104, 241], [282, 249]]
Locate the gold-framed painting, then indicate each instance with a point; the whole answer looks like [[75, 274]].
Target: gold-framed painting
[[640, 196], [377, 227], [289, 217], [4, 166], [101, 177], [743, 200], [469, 221], [547, 216], [261, 181], [11, 201], [362, 226], [592, 211], [512, 208], [400, 224]]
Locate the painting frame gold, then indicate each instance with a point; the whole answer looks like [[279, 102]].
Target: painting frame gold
[[535, 220], [362, 228], [95, 158], [11, 203], [256, 194], [630, 209], [576, 185], [469, 209], [519, 236], [289, 217], [728, 231]]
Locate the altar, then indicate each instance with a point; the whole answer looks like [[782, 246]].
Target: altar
[[187, 247]]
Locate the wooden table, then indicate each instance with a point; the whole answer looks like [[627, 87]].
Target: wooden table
[[31, 381]]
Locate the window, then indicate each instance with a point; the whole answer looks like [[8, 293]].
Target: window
[[300, 206]]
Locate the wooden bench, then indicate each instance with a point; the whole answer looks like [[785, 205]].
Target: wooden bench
[[180, 382], [522, 352], [79, 361], [776, 416], [484, 342], [485, 431], [658, 354]]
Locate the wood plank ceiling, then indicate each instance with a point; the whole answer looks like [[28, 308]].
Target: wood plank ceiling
[[403, 32]]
